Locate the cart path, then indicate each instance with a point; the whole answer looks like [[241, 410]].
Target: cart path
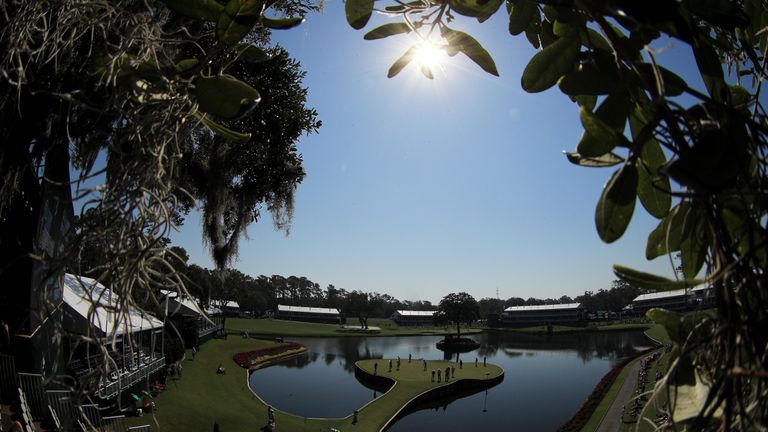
[[612, 419]]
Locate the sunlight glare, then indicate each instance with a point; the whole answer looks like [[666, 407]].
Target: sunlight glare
[[429, 55]]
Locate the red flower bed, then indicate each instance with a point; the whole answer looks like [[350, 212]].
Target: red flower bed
[[252, 358], [585, 412]]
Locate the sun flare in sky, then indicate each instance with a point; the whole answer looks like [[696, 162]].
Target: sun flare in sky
[[430, 56]]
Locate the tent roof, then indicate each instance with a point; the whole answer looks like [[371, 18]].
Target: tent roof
[[97, 304], [305, 309], [667, 294], [188, 305], [416, 313], [543, 307]]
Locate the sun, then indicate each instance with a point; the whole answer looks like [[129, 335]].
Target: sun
[[428, 55]]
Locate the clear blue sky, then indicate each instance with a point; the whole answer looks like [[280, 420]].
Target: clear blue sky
[[419, 188]]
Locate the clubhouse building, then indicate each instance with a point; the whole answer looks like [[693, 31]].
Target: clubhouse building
[[308, 314], [522, 316], [413, 318]]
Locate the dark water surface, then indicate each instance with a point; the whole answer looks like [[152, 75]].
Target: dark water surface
[[547, 378]]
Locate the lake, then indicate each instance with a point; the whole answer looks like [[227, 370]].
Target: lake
[[547, 378]]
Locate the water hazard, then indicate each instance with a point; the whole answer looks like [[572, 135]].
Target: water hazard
[[546, 379]]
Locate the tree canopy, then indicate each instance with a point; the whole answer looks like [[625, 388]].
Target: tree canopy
[[458, 308], [136, 112]]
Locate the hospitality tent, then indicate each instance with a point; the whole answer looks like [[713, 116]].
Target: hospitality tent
[[95, 306]]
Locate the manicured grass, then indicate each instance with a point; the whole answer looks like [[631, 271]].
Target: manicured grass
[[201, 397], [280, 328]]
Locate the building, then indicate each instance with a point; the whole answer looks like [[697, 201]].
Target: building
[[230, 308], [308, 314], [195, 324], [108, 351], [413, 318], [521, 316], [675, 300]]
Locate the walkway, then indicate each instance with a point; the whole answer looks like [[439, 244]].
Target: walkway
[[612, 419]]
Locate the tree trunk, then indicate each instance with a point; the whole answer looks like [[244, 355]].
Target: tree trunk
[[458, 330]]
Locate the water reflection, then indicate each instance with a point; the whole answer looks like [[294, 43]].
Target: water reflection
[[547, 378]]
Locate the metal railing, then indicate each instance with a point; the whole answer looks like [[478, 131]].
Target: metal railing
[[61, 402], [114, 424], [34, 388], [9, 382], [128, 379], [26, 413], [142, 428]]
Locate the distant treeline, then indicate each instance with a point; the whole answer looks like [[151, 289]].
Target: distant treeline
[[260, 294]]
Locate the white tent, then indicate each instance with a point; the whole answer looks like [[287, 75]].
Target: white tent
[[99, 307]]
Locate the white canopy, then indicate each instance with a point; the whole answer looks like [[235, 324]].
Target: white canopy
[[98, 305], [306, 309]]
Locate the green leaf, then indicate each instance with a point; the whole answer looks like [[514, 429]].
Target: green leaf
[[586, 101], [653, 155], [722, 13], [603, 161], [222, 130], [671, 321], [208, 10], [669, 234], [401, 7], [566, 29], [656, 245], [549, 64], [238, 19], [650, 281], [224, 96], [586, 80], [387, 30], [281, 23], [711, 69], [471, 48], [594, 126], [533, 30], [251, 53], [673, 84], [358, 12], [613, 113], [595, 40], [427, 71], [602, 137], [402, 62], [740, 97], [691, 397], [617, 203], [185, 66], [695, 244], [480, 9], [654, 192], [521, 16]]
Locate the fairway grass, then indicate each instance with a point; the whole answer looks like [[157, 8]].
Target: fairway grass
[[281, 328], [201, 397]]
